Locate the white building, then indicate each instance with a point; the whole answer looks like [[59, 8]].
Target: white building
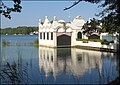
[[60, 33], [66, 34]]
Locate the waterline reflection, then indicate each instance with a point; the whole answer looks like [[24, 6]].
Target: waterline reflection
[[84, 65]]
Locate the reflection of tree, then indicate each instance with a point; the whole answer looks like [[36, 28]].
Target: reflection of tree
[[109, 69]]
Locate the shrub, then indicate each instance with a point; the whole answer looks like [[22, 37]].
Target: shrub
[[96, 40], [105, 42], [4, 43], [85, 41], [36, 42]]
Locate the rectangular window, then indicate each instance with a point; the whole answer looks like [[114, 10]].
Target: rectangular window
[[47, 35], [51, 35], [44, 36], [40, 35]]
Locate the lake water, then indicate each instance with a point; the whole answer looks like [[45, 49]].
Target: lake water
[[40, 65], [109, 38]]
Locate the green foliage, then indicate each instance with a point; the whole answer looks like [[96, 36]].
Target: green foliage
[[110, 34], [110, 14], [109, 24], [92, 26], [84, 41], [36, 43], [105, 42], [5, 10], [4, 43], [19, 30], [104, 29]]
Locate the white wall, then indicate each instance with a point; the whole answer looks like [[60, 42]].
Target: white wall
[[48, 42], [95, 44]]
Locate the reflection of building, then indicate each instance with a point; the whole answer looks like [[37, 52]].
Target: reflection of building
[[60, 33], [72, 60], [47, 60]]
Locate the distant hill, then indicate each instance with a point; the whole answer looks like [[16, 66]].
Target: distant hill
[[19, 30]]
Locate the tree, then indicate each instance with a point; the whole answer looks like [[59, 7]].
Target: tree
[[110, 24], [110, 17], [92, 26], [19, 30], [5, 10], [110, 14]]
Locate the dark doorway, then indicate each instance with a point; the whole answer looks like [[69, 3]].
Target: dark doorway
[[64, 40], [79, 35]]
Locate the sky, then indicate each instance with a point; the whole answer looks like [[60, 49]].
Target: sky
[[32, 11]]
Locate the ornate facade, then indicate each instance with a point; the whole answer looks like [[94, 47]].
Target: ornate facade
[[60, 33]]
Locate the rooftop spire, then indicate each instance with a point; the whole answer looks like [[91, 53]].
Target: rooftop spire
[[40, 20], [46, 19], [54, 18]]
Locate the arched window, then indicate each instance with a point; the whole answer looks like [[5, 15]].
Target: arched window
[[79, 35]]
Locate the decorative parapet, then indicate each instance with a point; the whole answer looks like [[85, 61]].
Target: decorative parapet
[[77, 23]]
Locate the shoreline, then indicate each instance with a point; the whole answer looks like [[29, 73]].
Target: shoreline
[[84, 47]]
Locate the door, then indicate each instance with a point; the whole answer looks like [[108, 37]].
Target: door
[[64, 40]]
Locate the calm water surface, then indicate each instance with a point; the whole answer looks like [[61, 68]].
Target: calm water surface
[[109, 38], [40, 65]]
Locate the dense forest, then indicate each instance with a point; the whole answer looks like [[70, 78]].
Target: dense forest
[[19, 30]]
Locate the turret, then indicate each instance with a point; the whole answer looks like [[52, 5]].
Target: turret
[[40, 24], [55, 23], [46, 22]]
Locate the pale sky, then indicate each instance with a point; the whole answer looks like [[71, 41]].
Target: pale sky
[[32, 11]]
